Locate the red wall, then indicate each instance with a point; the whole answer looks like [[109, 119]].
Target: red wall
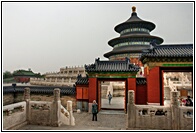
[[132, 85], [82, 92], [92, 92], [153, 86], [141, 95], [22, 79]]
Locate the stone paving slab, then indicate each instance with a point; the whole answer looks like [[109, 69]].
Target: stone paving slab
[[84, 122], [112, 112], [65, 127], [116, 103]]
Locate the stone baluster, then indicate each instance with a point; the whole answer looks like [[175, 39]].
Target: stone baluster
[[26, 94], [131, 110], [27, 99], [174, 109], [70, 110], [56, 110]]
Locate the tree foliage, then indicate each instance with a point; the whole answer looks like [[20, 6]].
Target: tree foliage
[[7, 74]]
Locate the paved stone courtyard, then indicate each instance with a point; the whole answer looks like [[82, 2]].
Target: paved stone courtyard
[[107, 120], [116, 103]]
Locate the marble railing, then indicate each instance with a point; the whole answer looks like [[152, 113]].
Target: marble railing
[[181, 83], [173, 117], [174, 84], [35, 81], [37, 112], [14, 115]]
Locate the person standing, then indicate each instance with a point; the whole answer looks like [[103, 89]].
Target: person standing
[[94, 110], [189, 101], [109, 97]]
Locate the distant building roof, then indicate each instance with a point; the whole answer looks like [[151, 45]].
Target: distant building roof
[[24, 73], [111, 66], [179, 50]]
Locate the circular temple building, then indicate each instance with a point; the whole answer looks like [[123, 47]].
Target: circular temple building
[[134, 39]]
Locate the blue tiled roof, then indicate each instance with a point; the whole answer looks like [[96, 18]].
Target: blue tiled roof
[[111, 66], [183, 50], [40, 89], [132, 37], [82, 81], [134, 19]]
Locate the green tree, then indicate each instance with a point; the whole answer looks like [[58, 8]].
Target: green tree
[[7, 74]]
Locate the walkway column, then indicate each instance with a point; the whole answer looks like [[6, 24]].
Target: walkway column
[[27, 99], [174, 110], [56, 108], [131, 110]]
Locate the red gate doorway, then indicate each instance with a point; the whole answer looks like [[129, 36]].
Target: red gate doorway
[[118, 89], [183, 87]]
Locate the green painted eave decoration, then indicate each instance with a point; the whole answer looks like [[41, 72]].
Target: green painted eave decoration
[[179, 65], [112, 73], [93, 76]]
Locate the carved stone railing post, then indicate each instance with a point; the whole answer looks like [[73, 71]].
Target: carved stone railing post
[[56, 110], [70, 110], [27, 94], [174, 110], [131, 110], [27, 98]]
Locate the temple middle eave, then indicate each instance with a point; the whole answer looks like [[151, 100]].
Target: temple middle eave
[[126, 50], [134, 38]]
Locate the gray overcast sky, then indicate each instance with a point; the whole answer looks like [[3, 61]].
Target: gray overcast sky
[[48, 36]]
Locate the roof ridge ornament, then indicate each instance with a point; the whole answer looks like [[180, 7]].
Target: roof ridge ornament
[[153, 45], [127, 60], [98, 59], [133, 9], [79, 76]]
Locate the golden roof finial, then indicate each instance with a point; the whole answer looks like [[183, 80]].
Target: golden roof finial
[[133, 8]]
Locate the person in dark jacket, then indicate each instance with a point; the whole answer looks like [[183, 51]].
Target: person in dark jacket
[[109, 97], [189, 101], [94, 110]]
